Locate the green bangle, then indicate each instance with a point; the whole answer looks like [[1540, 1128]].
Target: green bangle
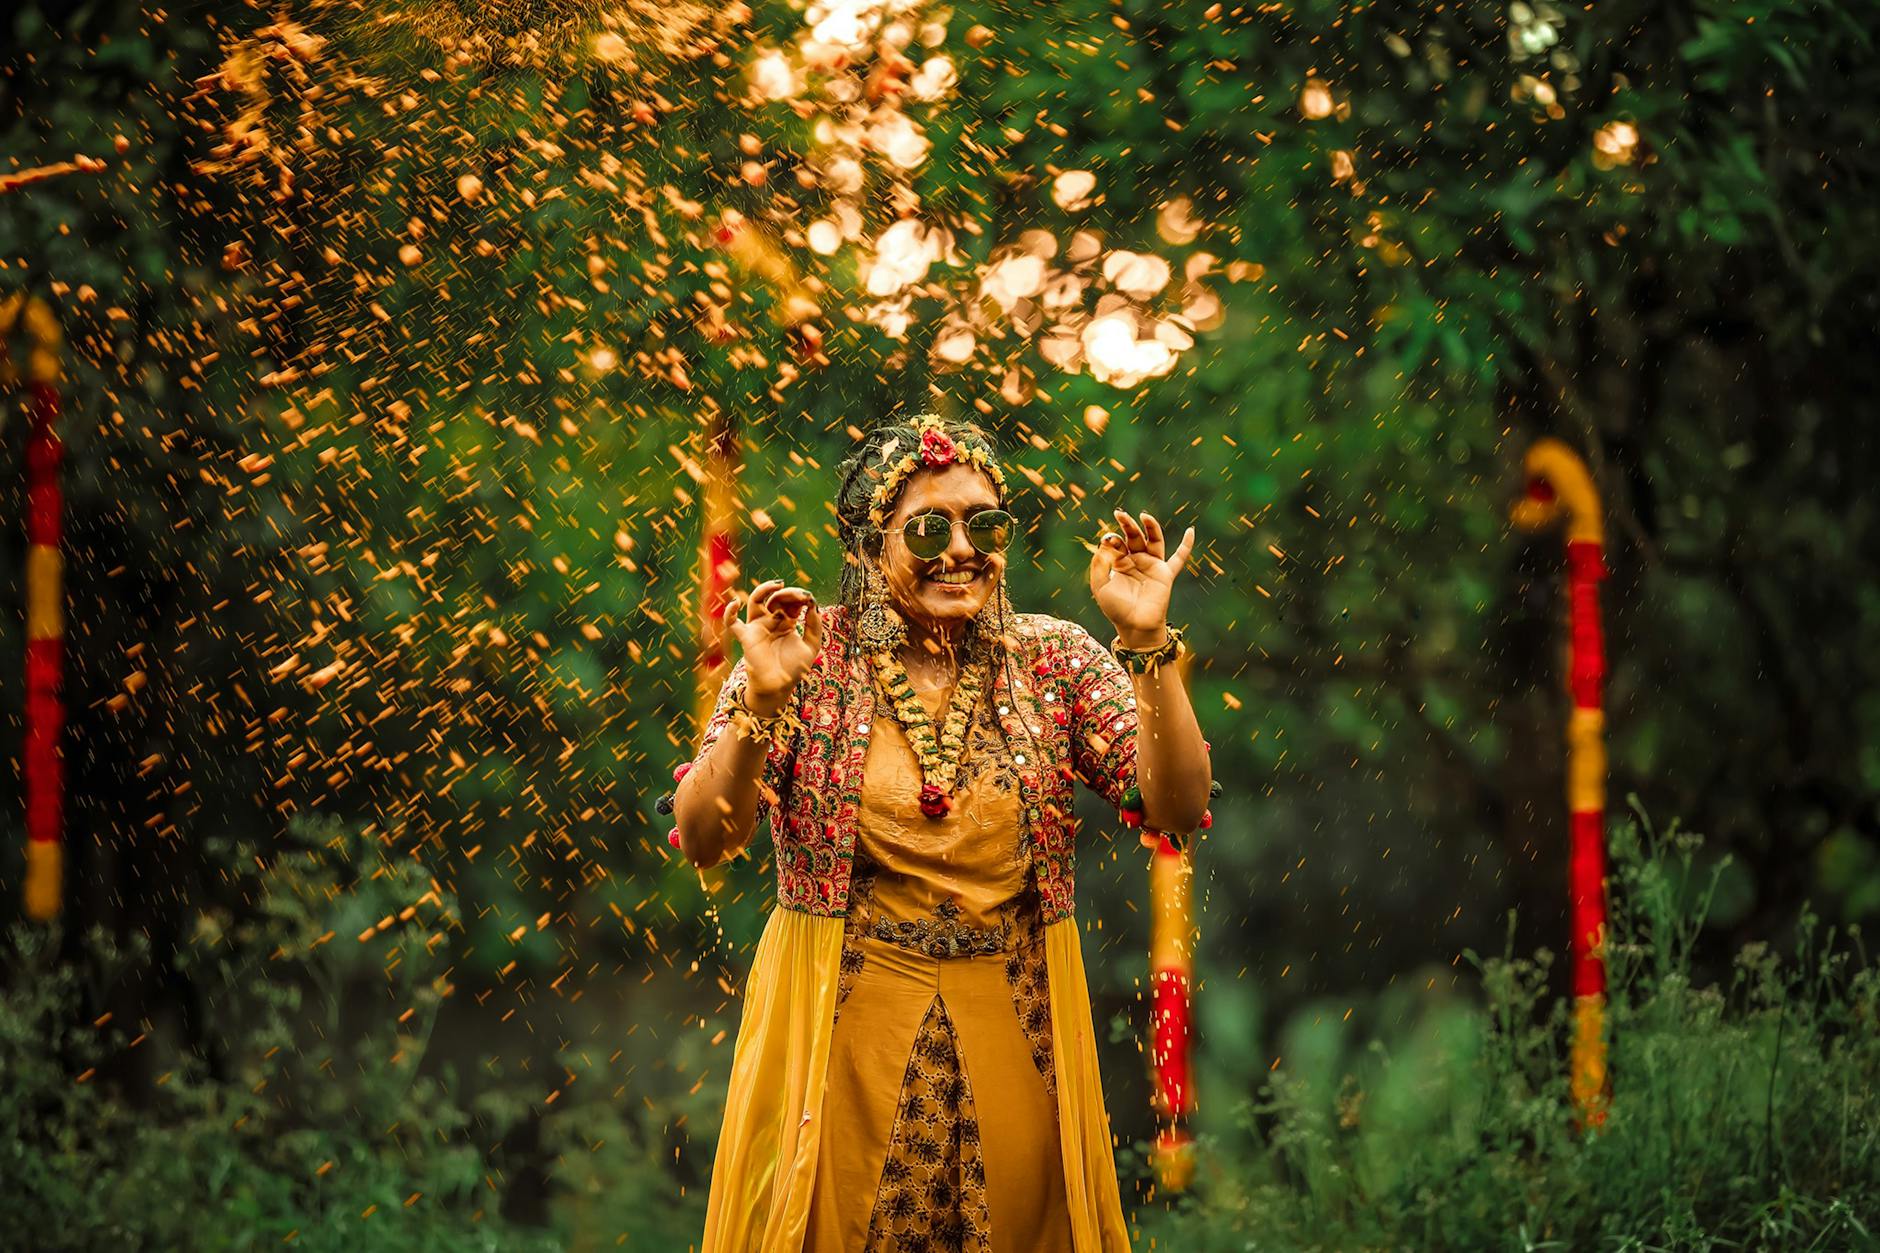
[[1143, 660]]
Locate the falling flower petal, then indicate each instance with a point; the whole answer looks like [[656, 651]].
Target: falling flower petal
[[955, 345], [1137, 274], [824, 236], [935, 79], [1072, 189]]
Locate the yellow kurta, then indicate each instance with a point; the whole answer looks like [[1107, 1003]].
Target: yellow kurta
[[776, 1187], [937, 1120]]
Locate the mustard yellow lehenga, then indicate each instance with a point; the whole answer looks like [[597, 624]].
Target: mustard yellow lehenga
[[922, 1073]]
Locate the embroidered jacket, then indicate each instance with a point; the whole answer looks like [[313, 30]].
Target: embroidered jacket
[[1067, 708]]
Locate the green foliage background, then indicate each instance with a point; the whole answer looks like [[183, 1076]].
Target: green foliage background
[[493, 540]]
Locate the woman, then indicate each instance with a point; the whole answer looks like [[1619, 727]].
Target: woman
[[915, 1067]]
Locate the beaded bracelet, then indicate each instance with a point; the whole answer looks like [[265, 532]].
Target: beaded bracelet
[[775, 729], [1131, 813], [1143, 660]]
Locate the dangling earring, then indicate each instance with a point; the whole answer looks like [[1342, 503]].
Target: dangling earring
[[879, 627], [992, 621]]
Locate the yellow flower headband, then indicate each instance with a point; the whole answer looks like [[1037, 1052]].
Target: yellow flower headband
[[936, 449]]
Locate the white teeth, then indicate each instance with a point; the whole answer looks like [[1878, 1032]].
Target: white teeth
[[957, 576]]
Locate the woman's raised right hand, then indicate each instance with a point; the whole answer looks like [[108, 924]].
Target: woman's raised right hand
[[776, 657]]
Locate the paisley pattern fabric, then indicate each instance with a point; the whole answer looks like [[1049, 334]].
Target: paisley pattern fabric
[[932, 1197], [811, 1099], [1030, 980], [1064, 704], [856, 924], [928, 1023]]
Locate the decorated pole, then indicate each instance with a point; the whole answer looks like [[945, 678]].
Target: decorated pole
[[717, 571], [1171, 981], [43, 767], [718, 560], [1558, 486], [1171, 970], [757, 256]]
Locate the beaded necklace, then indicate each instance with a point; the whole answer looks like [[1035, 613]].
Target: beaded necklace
[[939, 755]]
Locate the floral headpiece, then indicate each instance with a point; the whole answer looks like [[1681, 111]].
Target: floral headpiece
[[936, 449]]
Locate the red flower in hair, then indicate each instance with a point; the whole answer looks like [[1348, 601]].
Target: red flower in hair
[[936, 449]]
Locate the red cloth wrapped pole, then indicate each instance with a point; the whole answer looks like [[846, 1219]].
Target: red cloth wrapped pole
[[1559, 486], [718, 560], [1171, 980], [1171, 972], [43, 765], [717, 571]]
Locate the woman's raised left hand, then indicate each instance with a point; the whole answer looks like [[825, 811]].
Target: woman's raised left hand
[[1130, 577]]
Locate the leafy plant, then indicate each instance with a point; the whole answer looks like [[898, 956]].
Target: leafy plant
[[1743, 1112], [312, 1118]]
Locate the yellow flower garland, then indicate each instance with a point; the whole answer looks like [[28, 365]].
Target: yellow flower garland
[[939, 757]]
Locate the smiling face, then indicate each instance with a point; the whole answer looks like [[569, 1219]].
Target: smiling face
[[916, 585]]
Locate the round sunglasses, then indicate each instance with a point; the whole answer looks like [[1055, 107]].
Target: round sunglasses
[[927, 535]]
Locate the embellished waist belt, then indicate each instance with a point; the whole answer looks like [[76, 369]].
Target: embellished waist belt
[[941, 938]]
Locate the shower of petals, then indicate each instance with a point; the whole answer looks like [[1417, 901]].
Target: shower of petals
[[1063, 346], [896, 36], [1085, 246], [894, 317], [1063, 290], [1176, 223], [1172, 333], [1615, 143], [869, 78], [1038, 243], [824, 236], [1027, 316], [954, 344], [844, 24], [1118, 358], [1017, 386], [1315, 100], [843, 176], [1202, 307]]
